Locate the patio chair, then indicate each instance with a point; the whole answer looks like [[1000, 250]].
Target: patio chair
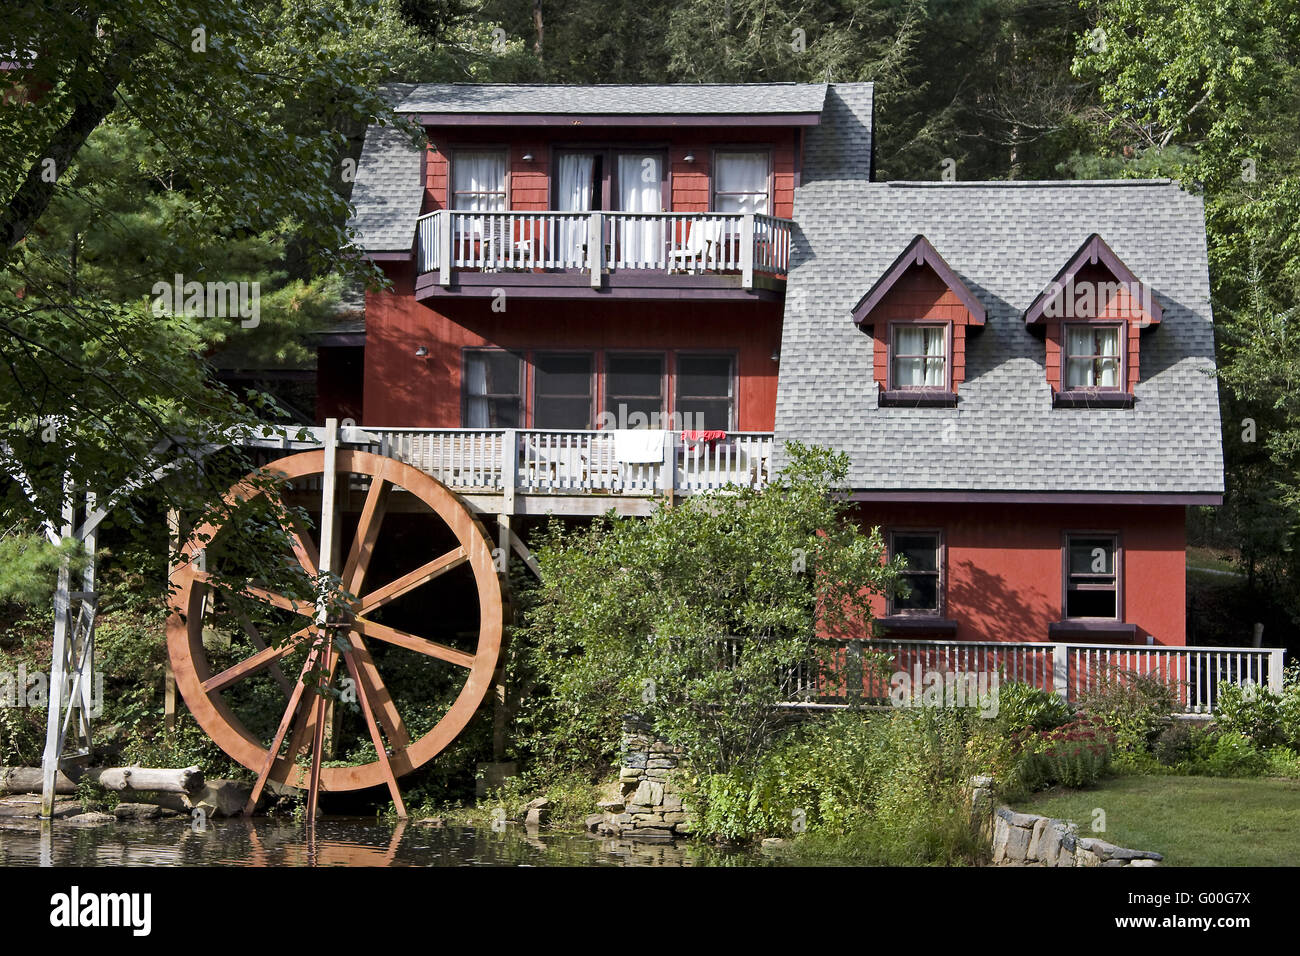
[[700, 248]]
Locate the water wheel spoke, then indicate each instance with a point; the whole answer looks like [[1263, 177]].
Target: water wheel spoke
[[255, 636], [257, 592], [412, 580], [363, 698], [252, 665], [390, 635], [363, 543], [305, 727], [385, 707], [274, 750], [304, 548]]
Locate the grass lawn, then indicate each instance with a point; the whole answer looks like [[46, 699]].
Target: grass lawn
[[1193, 821]]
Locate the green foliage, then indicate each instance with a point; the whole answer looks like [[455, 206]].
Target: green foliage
[[630, 612], [878, 788], [1267, 718], [1022, 706], [1136, 707], [29, 565], [1077, 754]]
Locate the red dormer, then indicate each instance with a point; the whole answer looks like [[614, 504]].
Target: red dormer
[[917, 314], [1092, 315]]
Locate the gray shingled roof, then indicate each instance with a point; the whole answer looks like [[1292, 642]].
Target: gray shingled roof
[[1006, 241], [388, 191], [681, 98]]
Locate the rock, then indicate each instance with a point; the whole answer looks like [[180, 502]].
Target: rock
[[649, 794], [436, 822], [137, 811], [594, 821], [661, 763], [1145, 862], [649, 833], [541, 803], [222, 798], [1066, 857], [674, 817], [772, 843], [609, 829], [91, 819], [672, 801], [1035, 840], [1001, 833], [1017, 845], [611, 806], [1049, 844], [1016, 819], [537, 816]]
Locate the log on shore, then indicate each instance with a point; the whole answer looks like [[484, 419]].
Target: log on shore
[[126, 779]]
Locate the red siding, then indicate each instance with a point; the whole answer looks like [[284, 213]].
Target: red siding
[[1003, 564], [919, 296], [403, 390], [691, 186]]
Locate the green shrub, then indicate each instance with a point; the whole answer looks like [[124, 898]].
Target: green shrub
[[1234, 755], [1077, 754], [1136, 707], [1182, 740], [1022, 706], [1268, 718], [1282, 762]]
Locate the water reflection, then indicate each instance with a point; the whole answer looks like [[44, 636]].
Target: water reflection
[[334, 842]]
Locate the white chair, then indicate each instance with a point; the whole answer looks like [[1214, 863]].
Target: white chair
[[701, 247]]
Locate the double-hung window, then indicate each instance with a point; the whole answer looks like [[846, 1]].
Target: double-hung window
[[1092, 356], [479, 180], [634, 389], [706, 393], [740, 182], [923, 576], [563, 389], [492, 389], [1092, 576], [919, 356]]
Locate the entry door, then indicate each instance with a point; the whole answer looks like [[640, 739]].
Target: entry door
[[577, 188]]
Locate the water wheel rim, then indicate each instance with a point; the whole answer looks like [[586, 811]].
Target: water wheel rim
[[215, 715]]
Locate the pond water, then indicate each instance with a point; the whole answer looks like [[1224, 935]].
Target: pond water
[[337, 842]]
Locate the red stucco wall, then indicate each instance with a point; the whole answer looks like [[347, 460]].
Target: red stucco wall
[[1003, 564], [404, 390]]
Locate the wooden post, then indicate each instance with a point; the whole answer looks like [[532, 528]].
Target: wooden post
[[169, 677], [747, 251], [329, 481], [58, 659], [443, 217], [1275, 669], [509, 472], [1061, 670], [668, 473], [596, 247]]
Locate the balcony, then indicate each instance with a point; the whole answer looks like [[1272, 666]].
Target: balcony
[[639, 255], [535, 471]]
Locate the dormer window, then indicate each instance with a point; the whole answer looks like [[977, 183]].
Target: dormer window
[[917, 315], [919, 356], [1092, 314], [1092, 356]]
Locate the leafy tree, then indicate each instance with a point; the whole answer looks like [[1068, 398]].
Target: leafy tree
[[630, 612]]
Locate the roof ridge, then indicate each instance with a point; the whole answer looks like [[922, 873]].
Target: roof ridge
[[1024, 183]]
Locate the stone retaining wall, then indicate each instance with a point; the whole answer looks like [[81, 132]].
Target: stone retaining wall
[[651, 803], [1024, 839]]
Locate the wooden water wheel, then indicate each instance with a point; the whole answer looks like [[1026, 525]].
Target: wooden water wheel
[[448, 554]]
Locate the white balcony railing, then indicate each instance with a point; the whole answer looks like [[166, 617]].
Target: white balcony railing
[[1073, 669], [667, 242], [543, 461]]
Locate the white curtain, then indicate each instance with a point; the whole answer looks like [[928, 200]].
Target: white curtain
[[1109, 342], [479, 173], [476, 390], [934, 347], [743, 173], [574, 196], [640, 243]]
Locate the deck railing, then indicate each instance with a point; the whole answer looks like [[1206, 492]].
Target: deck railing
[[670, 242], [1067, 669], [544, 461]]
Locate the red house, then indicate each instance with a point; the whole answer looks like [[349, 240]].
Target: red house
[[605, 295]]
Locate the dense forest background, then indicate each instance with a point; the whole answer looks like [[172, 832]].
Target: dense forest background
[[230, 161]]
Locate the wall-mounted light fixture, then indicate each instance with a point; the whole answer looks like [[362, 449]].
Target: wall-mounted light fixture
[[422, 352], [528, 157], [776, 355], [689, 157]]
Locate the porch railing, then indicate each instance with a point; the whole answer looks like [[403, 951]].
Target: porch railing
[[596, 242], [544, 461], [1067, 669]]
